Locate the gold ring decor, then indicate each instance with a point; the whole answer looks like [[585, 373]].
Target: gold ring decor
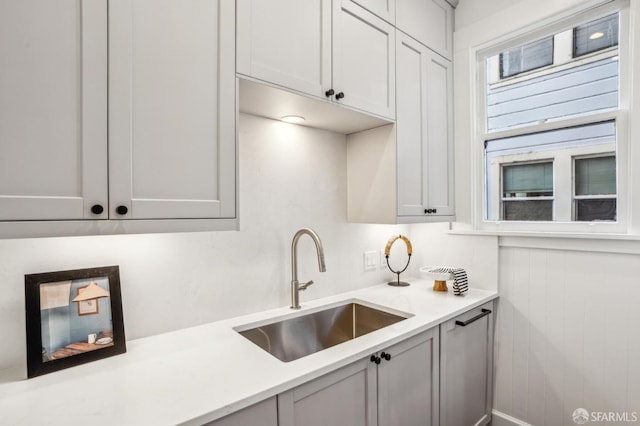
[[387, 251]]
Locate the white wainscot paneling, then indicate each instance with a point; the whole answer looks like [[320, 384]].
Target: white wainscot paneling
[[567, 334]]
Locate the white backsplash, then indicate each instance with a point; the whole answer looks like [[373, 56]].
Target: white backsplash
[[289, 177]]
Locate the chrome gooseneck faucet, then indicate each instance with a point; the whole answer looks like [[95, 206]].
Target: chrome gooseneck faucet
[[295, 285]]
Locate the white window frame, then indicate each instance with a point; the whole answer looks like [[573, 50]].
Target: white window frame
[[542, 29], [517, 160], [563, 176], [576, 198]]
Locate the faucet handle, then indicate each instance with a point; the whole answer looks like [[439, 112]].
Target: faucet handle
[[305, 285]]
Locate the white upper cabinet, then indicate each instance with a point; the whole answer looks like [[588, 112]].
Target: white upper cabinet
[[412, 180], [385, 9], [121, 114], [53, 103], [286, 42], [338, 52], [428, 21], [439, 163], [363, 60], [424, 131], [172, 109]]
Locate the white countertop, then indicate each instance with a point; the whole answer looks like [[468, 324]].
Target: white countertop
[[199, 374]]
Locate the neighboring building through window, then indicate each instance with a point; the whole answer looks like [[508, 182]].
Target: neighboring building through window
[[536, 167], [526, 57], [595, 188], [595, 35], [527, 191]]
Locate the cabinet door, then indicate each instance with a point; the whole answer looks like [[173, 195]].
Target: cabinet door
[[53, 98], [428, 21], [286, 42], [343, 397], [172, 109], [412, 64], [263, 413], [466, 362], [386, 9], [408, 391], [440, 185], [424, 131], [363, 60]]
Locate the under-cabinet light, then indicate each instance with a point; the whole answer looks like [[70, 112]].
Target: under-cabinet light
[[294, 119]]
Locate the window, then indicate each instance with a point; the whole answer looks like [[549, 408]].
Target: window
[[595, 188], [595, 35], [527, 191], [550, 127], [526, 57]]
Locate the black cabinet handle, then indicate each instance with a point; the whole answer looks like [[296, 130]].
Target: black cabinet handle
[[329, 93], [122, 210], [386, 356], [484, 313], [97, 209], [375, 359], [429, 211], [340, 95]]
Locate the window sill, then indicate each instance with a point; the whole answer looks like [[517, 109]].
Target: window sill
[[602, 243]]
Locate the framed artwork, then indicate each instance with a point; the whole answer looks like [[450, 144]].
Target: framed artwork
[[73, 317]]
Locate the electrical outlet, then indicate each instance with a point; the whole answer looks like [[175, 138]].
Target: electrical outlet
[[370, 262]]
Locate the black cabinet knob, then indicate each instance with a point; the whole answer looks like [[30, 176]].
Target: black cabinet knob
[[329, 93], [375, 359], [97, 209], [386, 356], [434, 211], [122, 210], [340, 95], [430, 211]]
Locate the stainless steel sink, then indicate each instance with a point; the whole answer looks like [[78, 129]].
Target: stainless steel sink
[[294, 338]]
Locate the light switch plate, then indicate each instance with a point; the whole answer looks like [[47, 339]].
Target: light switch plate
[[370, 260]]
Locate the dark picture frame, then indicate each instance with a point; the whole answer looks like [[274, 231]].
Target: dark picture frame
[[59, 335]]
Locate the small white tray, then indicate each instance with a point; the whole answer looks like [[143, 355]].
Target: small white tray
[[425, 271]]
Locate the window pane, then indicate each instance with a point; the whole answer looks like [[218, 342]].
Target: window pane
[[595, 35], [595, 176], [529, 210], [594, 209], [528, 180], [528, 165], [572, 87], [526, 57]]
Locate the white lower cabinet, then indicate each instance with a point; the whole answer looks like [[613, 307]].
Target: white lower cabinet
[[343, 397], [264, 413], [466, 366], [442, 376], [398, 386], [408, 382]]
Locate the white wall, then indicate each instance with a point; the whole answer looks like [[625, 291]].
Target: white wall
[[567, 334], [568, 323], [290, 177]]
